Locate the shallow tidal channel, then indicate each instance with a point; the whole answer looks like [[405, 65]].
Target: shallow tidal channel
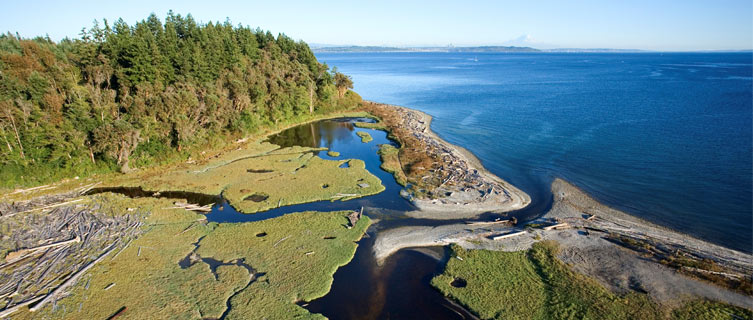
[[400, 287]]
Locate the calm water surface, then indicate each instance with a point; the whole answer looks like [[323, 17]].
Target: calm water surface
[[664, 136]]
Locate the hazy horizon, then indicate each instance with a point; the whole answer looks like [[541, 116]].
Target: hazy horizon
[[641, 25]]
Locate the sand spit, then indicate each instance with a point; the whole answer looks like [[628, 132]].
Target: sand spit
[[467, 189], [589, 235]]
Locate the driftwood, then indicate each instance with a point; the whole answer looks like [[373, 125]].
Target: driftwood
[[55, 293], [192, 207], [24, 252], [508, 235], [723, 274], [87, 188], [482, 223], [15, 308], [117, 313], [121, 250], [43, 208], [27, 190], [73, 237], [281, 240], [353, 218], [558, 226], [343, 195]]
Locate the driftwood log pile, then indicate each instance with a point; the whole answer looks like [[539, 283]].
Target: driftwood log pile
[[43, 202], [51, 241], [353, 218]]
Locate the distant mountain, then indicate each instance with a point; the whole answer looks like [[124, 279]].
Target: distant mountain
[[493, 49], [524, 41], [423, 49]]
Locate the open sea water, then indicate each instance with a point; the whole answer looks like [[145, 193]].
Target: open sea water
[[664, 136]]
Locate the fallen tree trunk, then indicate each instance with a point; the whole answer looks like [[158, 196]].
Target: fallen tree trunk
[[55, 293]]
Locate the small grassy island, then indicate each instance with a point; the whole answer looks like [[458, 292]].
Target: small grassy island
[[365, 136], [120, 147]]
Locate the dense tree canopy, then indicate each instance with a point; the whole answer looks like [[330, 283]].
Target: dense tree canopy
[[131, 95]]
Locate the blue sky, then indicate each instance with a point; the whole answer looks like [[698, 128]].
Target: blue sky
[[638, 24]]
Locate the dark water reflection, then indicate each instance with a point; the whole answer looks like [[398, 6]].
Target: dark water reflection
[[397, 290]]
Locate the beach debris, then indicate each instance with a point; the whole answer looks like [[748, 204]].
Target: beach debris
[[281, 240], [57, 293], [344, 195], [192, 207], [482, 223], [353, 218], [557, 226], [508, 235], [117, 313], [363, 185], [9, 311], [439, 173], [53, 241]]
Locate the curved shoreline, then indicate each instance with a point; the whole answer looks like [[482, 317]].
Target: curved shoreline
[[483, 191], [619, 250], [615, 248]]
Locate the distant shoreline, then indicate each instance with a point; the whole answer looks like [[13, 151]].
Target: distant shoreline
[[499, 49]]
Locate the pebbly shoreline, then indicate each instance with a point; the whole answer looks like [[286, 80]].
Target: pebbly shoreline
[[621, 251], [467, 189]]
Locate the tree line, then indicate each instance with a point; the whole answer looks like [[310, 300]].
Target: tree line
[[122, 96]]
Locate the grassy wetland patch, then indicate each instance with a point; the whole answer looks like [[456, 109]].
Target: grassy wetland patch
[[371, 125], [535, 284], [261, 268], [284, 176], [391, 163], [365, 136]]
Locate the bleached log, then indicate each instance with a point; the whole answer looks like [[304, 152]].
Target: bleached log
[[509, 235], [281, 240], [724, 274], [343, 195], [481, 223], [9, 311], [87, 188], [24, 252], [43, 208], [121, 250], [29, 189], [557, 226], [55, 293]]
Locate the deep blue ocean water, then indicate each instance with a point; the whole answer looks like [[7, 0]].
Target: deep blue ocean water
[[664, 136]]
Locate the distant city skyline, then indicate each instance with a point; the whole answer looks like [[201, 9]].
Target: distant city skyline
[[640, 24]]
